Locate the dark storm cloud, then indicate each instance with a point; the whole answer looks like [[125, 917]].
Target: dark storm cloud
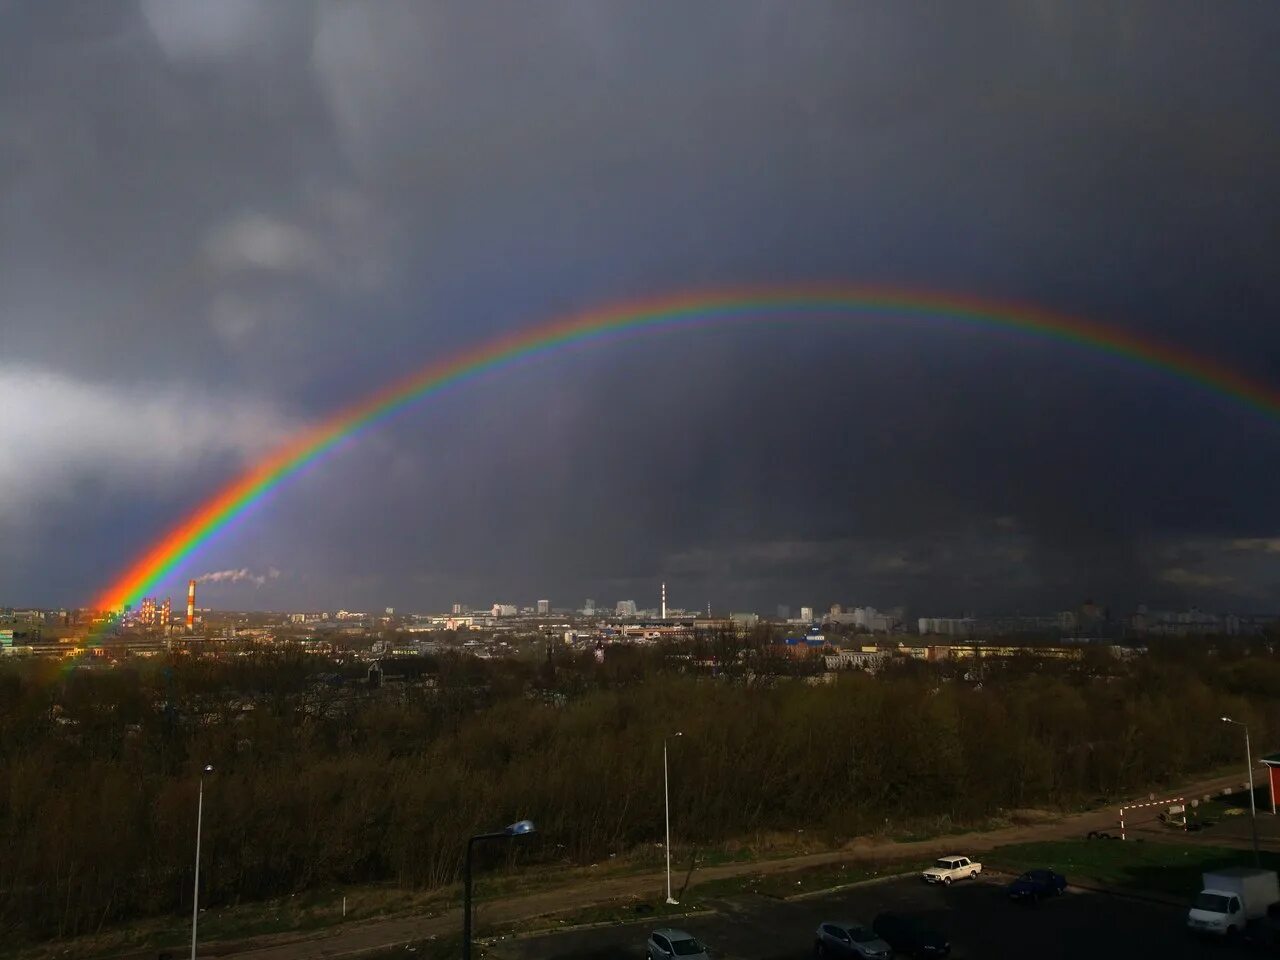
[[221, 220]]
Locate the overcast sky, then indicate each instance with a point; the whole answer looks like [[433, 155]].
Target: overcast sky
[[221, 221]]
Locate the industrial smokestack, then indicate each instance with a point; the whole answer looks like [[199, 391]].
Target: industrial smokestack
[[191, 606], [664, 601], [166, 613]]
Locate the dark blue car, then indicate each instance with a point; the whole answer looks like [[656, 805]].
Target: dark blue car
[[1034, 885]]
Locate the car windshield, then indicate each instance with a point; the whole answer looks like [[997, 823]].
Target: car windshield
[[861, 935], [1213, 902], [944, 864], [686, 948]]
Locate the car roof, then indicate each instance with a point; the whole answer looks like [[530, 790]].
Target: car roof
[[954, 856], [673, 934]]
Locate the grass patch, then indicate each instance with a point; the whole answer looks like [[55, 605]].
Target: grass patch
[[1168, 868], [624, 910], [300, 913], [438, 948], [789, 883]]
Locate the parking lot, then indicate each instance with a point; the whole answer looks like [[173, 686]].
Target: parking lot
[[975, 916]]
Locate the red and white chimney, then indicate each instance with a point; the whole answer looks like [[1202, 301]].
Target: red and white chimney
[[191, 606]]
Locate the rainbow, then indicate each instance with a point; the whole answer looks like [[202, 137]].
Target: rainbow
[[218, 512]]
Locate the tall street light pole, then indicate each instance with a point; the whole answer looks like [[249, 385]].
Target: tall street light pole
[[195, 897], [518, 829], [1253, 810], [666, 804]]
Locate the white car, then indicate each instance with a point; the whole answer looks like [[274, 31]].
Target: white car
[[946, 869]]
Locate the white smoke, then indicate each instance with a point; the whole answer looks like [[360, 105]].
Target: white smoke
[[243, 575]]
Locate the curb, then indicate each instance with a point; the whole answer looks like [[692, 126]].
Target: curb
[[1094, 886], [598, 925], [849, 886], [1144, 895]]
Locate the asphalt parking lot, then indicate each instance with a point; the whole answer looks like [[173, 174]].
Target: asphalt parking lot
[[977, 918]]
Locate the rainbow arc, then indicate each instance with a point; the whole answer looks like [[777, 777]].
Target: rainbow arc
[[785, 303]]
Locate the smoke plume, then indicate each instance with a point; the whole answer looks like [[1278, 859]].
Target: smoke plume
[[243, 575]]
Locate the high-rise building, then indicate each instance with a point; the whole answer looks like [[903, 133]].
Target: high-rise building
[[544, 607], [626, 608], [461, 609], [589, 607], [391, 611], [806, 613], [504, 610]]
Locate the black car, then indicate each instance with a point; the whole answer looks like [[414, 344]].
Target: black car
[[910, 936], [1034, 885], [849, 941]]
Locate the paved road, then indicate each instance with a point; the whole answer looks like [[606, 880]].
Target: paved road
[[975, 916], [377, 934]]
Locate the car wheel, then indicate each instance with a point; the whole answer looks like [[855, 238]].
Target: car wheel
[[973, 875], [1231, 933], [946, 881]]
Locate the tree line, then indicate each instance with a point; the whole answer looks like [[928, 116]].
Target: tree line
[[321, 778]]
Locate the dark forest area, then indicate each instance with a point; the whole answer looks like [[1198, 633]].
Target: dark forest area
[[324, 777]]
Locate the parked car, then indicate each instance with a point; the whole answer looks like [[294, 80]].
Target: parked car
[[947, 869], [840, 940], [910, 936], [1034, 885], [667, 944]]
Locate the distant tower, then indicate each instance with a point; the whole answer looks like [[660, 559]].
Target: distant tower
[[191, 606], [544, 607], [166, 612], [664, 601]]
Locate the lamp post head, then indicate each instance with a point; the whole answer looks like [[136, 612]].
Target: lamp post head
[[520, 828], [1226, 720], [208, 768], [678, 733]]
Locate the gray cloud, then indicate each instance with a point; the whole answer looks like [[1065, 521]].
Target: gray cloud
[[219, 220]]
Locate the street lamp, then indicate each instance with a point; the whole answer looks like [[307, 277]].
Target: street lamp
[[1253, 810], [518, 829], [666, 804], [195, 897]]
